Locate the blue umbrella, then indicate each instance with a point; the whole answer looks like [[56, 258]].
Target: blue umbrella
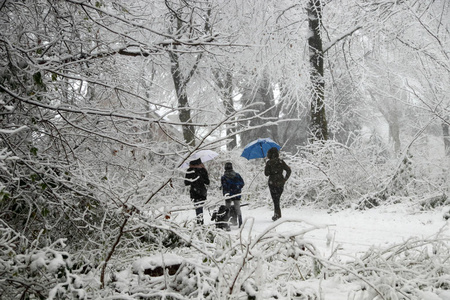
[[259, 148]]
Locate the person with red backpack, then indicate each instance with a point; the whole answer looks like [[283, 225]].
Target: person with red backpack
[[232, 184]]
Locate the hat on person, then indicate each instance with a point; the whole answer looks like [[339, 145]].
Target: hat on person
[[195, 162], [228, 166]]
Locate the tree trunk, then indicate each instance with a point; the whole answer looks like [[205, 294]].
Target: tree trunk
[[394, 133], [263, 113], [183, 103], [319, 126], [226, 89], [446, 135]]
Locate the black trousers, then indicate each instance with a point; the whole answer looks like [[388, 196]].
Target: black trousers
[[237, 209], [275, 192], [198, 204]]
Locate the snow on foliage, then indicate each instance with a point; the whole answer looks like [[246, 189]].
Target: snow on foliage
[[101, 101]]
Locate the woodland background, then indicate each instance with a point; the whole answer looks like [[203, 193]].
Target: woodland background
[[102, 101]]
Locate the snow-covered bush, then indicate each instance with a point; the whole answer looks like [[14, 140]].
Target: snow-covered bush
[[32, 272], [334, 176], [212, 264], [328, 175], [415, 269]]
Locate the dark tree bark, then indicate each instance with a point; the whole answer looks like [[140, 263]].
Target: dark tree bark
[[183, 25], [446, 135], [262, 113], [226, 89], [319, 126], [183, 104], [293, 133]]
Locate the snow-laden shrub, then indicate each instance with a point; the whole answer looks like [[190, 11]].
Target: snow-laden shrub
[[329, 175], [415, 269], [216, 265], [334, 176], [31, 272]]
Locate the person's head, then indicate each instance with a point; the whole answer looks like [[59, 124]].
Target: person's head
[[272, 153], [196, 162], [228, 166]]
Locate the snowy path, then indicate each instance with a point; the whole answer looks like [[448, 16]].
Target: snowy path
[[354, 231]]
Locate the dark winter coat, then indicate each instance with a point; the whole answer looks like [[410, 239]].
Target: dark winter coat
[[274, 169], [232, 184], [197, 178]]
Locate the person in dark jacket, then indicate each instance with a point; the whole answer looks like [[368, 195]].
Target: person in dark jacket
[[232, 184], [274, 169], [197, 178]]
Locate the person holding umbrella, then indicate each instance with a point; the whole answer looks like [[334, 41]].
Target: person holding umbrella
[[274, 169], [197, 178]]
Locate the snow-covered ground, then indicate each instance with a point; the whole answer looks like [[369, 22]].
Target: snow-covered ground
[[354, 231], [348, 234]]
